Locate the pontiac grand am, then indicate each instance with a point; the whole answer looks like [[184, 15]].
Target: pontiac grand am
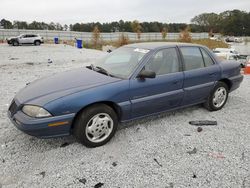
[[131, 82]]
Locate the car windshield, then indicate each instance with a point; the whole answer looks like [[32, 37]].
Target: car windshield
[[122, 61]]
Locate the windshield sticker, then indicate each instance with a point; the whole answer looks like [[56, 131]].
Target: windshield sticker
[[141, 50]]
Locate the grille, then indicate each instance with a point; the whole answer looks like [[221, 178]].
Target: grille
[[13, 108]]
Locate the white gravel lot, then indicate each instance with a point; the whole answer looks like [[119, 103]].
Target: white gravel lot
[[153, 152]]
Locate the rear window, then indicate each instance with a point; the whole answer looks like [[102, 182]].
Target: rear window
[[207, 59], [192, 58]]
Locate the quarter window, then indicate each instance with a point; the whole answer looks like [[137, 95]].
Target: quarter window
[[207, 59], [192, 58], [164, 62]]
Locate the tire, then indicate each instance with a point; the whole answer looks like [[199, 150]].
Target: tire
[[98, 121], [37, 43], [218, 97], [15, 43]]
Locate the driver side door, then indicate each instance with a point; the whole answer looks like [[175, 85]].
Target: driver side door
[[165, 91]]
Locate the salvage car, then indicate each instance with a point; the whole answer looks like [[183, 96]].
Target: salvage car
[[131, 82], [25, 39]]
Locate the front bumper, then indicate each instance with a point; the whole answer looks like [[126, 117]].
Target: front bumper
[[42, 127]]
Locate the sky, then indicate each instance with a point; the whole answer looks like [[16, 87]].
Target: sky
[[73, 11]]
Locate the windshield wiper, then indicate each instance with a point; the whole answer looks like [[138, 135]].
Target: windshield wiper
[[102, 70], [99, 69]]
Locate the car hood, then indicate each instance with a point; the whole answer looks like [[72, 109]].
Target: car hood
[[12, 38], [58, 85]]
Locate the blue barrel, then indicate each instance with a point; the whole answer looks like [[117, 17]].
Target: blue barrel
[[56, 40], [79, 43]]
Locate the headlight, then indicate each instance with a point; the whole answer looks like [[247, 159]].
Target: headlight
[[35, 111]]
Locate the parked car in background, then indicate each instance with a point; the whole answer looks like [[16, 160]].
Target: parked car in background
[[131, 82], [230, 54], [25, 39], [233, 39]]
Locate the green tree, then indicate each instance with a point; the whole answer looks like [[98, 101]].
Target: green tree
[[208, 21], [20, 25], [6, 24]]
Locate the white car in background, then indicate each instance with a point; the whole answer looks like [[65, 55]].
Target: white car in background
[[230, 54], [25, 39], [226, 53]]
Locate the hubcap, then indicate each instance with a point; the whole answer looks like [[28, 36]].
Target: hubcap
[[99, 127], [220, 96]]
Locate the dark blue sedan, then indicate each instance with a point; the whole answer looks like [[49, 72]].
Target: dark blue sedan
[[132, 82]]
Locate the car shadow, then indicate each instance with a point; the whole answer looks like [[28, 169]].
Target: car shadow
[[47, 144], [160, 116]]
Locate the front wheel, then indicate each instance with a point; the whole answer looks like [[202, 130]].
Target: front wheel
[[218, 97], [37, 43], [96, 125]]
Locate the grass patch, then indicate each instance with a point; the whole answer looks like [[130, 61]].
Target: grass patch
[[123, 40], [210, 43]]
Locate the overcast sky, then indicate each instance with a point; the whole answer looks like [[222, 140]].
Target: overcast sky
[[72, 11]]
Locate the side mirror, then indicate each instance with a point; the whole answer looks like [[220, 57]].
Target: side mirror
[[146, 74]]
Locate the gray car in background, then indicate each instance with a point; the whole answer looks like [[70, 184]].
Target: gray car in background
[[25, 39]]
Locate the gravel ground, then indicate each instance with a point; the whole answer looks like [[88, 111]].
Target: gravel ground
[[161, 151]]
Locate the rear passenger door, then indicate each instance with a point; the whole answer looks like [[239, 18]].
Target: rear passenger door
[[200, 74]]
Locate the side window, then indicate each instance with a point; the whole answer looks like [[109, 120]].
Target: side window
[[164, 62], [207, 59], [192, 58]]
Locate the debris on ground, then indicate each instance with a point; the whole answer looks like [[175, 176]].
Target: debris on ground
[[50, 61], [171, 185], [203, 123], [194, 151], [29, 63], [199, 129], [42, 174], [243, 155], [114, 164], [157, 162], [98, 185], [64, 145], [83, 180], [217, 155], [14, 58]]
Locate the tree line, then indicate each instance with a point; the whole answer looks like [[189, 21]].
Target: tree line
[[235, 22]]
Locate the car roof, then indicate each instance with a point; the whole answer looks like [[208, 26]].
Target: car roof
[[154, 45], [29, 34]]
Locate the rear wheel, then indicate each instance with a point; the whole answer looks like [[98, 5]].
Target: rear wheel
[[96, 125], [218, 97], [15, 43]]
